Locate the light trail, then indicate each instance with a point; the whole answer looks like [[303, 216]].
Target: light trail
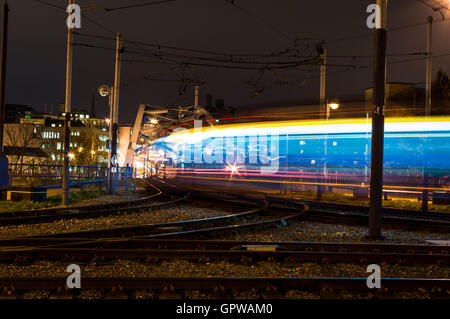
[[320, 184]]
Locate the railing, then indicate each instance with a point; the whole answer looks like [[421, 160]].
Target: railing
[[124, 178], [55, 171]]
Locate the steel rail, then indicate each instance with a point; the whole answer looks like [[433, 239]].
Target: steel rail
[[122, 231], [58, 210], [222, 245], [86, 211], [78, 254], [70, 214], [387, 211], [229, 283]]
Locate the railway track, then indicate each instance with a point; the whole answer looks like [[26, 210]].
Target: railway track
[[205, 226], [82, 214], [83, 250], [220, 286], [344, 213], [145, 243], [357, 214], [87, 207], [89, 211]]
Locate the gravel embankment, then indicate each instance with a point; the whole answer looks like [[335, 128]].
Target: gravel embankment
[[155, 216], [315, 231], [183, 268], [107, 199]]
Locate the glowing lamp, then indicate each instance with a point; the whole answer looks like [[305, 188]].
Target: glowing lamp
[[334, 105]]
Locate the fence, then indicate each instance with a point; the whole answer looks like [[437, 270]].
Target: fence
[[124, 178], [55, 171]]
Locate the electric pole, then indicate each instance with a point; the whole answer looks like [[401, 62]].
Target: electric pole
[[115, 116], [4, 178], [379, 87], [324, 109], [323, 80], [66, 149], [196, 89], [427, 103], [429, 70], [3, 53]]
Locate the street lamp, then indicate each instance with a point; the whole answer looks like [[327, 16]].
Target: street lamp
[[332, 105], [105, 90]]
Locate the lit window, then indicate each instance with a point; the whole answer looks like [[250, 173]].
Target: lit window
[[87, 116], [58, 146], [53, 124], [82, 116]]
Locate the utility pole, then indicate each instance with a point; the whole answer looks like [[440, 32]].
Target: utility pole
[[196, 88], [4, 178], [379, 96], [115, 116], [323, 108], [323, 82], [3, 54], [66, 149], [429, 70], [428, 102], [111, 111]]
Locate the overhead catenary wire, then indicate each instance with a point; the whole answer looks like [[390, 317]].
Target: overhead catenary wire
[[362, 67], [390, 30], [233, 57], [266, 24], [162, 46], [133, 6]]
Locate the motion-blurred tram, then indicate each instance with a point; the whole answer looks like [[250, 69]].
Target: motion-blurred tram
[[308, 154]]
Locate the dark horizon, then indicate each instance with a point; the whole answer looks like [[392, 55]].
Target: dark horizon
[[37, 51]]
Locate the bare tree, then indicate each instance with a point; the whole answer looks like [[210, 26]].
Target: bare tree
[[22, 137]]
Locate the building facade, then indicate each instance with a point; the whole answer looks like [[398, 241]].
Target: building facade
[[45, 132]]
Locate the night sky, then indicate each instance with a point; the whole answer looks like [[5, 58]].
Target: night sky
[[37, 50]]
